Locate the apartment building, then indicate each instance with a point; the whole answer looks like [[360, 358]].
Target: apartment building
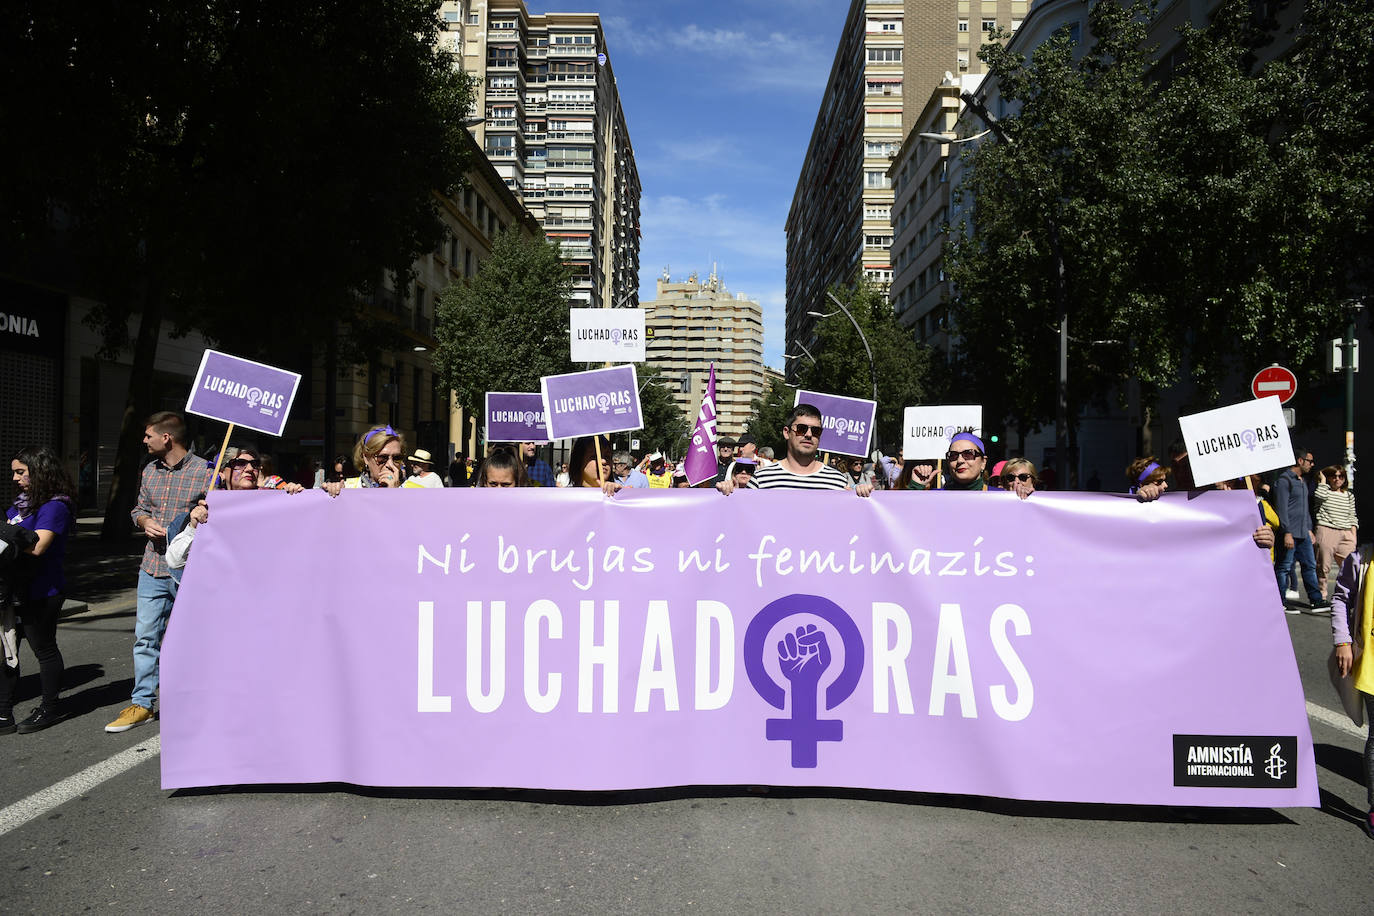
[[554, 128], [891, 55], [691, 325]]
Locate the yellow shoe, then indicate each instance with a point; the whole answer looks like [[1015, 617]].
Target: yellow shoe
[[129, 717]]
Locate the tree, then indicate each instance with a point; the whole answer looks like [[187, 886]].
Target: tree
[[665, 427], [767, 415], [250, 169], [1067, 198], [842, 368], [1202, 218], [508, 327]]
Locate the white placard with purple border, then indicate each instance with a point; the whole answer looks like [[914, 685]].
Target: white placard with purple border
[[607, 335], [591, 403], [926, 431], [848, 422], [1230, 442], [515, 417], [242, 392]]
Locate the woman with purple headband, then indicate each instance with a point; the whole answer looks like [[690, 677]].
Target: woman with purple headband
[[1147, 478], [377, 456], [965, 464]]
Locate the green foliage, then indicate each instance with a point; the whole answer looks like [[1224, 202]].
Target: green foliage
[[509, 326], [767, 414], [665, 427], [1208, 218], [842, 366], [231, 161]]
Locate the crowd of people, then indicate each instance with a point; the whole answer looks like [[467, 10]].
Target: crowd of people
[[1306, 520]]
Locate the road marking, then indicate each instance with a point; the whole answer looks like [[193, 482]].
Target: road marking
[[44, 800], [1337, 720]]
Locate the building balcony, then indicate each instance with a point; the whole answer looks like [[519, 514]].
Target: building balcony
[[572, 51], [497, 35], [580, 165], [572, 106]]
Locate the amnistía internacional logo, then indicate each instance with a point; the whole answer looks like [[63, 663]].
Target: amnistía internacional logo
[[1236, 761]]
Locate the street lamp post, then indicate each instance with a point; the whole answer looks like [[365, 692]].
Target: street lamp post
[[1352, 309], [872, 372]]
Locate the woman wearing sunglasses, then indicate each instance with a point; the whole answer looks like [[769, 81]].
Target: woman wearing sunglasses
[[1337, 525], [1018, 475], [965, 463]]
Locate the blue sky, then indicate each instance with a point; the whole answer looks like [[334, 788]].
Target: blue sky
[[720, 99]]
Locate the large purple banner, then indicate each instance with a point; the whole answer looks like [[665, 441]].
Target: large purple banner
[[242, 392], [964, 643]]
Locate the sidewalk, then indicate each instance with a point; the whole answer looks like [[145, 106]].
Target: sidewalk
[[101, 577]]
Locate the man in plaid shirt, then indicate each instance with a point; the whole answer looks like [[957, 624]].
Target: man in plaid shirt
[[172, 483]]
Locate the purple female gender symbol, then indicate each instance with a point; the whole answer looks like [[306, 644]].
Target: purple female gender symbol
[[1248, 439], [615, 335], [804, 729]]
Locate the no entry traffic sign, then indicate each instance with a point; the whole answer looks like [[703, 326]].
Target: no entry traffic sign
[[1275, 381]]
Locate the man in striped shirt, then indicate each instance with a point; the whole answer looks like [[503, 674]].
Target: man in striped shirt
[[173, 482], [801, 468]]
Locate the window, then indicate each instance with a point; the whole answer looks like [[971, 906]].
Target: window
[[876, 180], [1015, 24], [963, 60], [474, 18], [874, 150], [451, 16], [882, 119], [963, 25], [877, 241], [989, 25], [885, 55], [882, 213]]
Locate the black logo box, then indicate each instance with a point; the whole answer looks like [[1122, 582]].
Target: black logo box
[[1220, 761]]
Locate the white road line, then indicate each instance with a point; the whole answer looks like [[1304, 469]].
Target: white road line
[[1337, 720], [44, 800]]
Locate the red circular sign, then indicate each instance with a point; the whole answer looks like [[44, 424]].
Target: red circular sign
[[1276, 381]]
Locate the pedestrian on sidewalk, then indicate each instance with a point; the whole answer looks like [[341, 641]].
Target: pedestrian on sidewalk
[[1338, 527], [1290, 502], [43, 505], [173, 482], [1352, 619]]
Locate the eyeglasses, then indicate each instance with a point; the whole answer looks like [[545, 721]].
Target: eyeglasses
[[806, 429], [241, 463], [385, 459], [967, 454]]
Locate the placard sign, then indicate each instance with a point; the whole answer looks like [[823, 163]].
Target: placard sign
[[591, 403], [242, 392], [926, 431], [848, 422], [1230, 442], [515, 417], [607, 335]]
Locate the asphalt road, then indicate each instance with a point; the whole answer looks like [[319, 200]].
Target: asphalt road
[[124, 845]]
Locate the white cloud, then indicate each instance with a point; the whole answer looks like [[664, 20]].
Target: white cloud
[[748, 61]]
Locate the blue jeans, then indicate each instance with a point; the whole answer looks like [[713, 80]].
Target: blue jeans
[[155, 597], [1307, 563]]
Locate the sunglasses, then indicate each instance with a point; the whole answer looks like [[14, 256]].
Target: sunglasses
[[806, 429], [385, 459], [245, 463], [967, 454], [1021, 477]]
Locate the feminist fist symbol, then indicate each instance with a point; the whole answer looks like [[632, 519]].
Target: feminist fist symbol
[[803, 655]]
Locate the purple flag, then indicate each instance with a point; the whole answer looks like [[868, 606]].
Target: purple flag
[[966, 643], [701, 452], [242, 392], [848, 422], [515, 417], [591, 403]]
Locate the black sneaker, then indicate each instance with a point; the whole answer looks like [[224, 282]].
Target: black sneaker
[[6, 725], [38, 720]]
